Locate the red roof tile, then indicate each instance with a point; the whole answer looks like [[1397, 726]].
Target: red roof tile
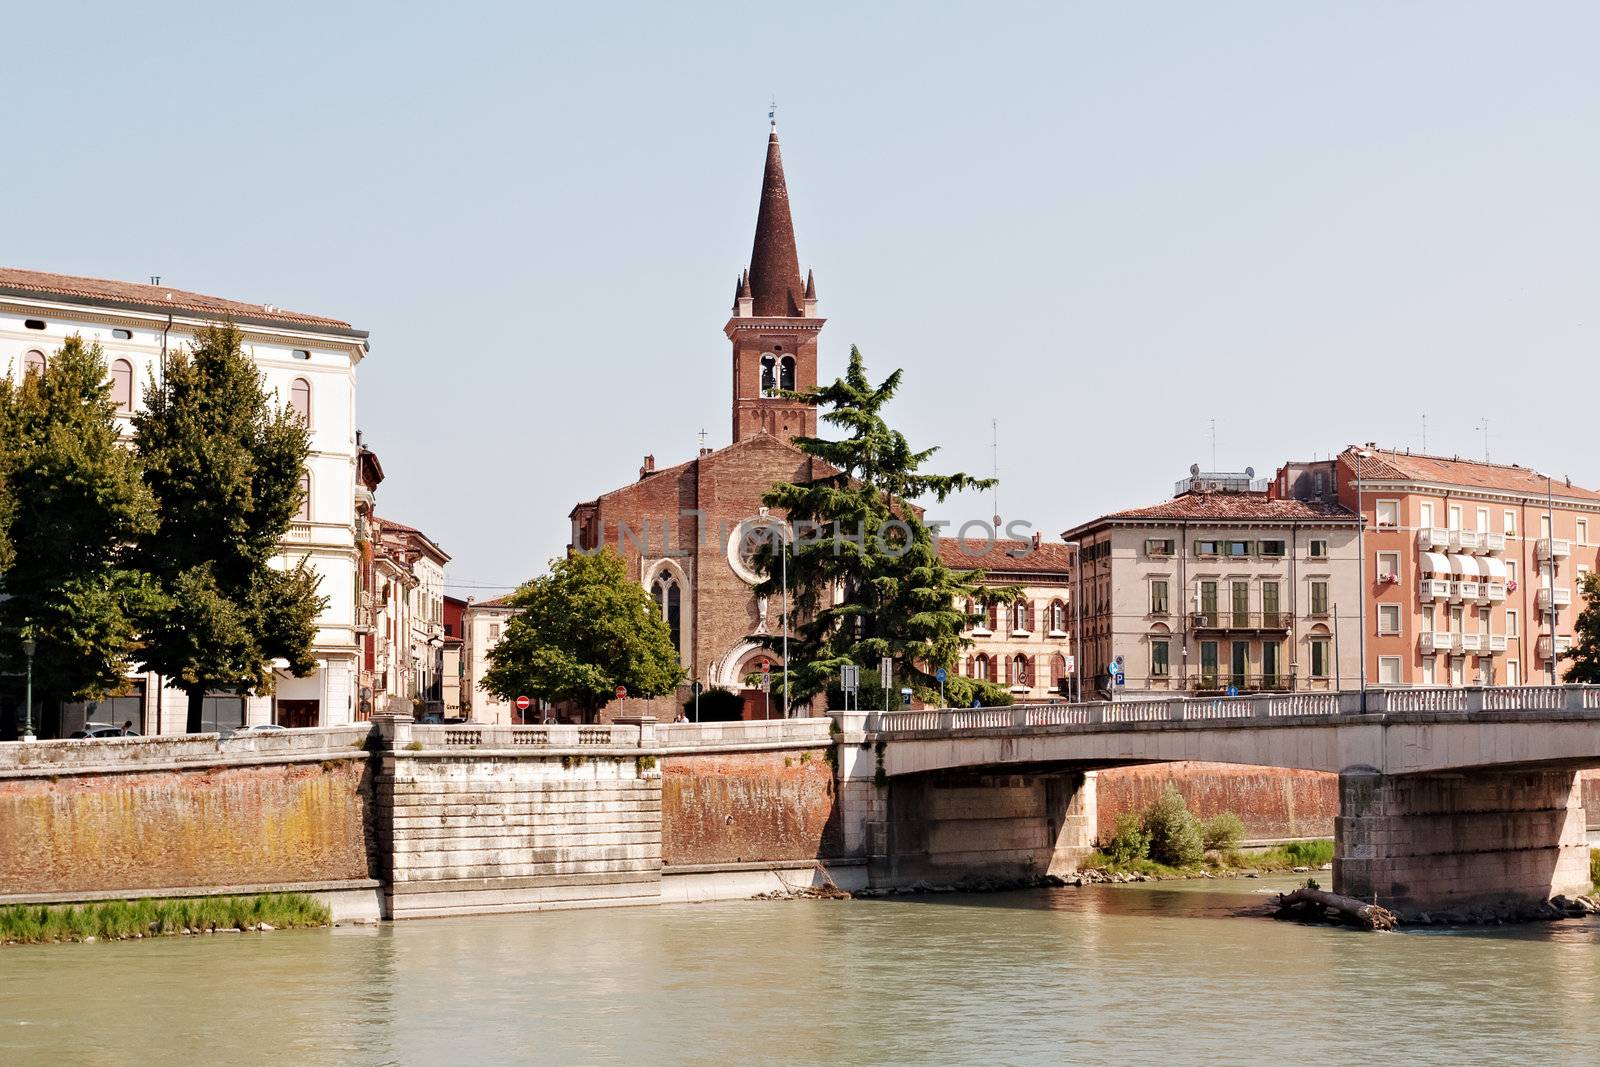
[[1384, 465], [160, 297], [1237, 507], [1005, 556]]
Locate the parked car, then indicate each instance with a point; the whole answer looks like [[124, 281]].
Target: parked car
[[259, 728], [101, 729]]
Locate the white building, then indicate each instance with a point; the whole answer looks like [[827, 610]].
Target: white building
[[309, 362], [484, 623], [413, 565]]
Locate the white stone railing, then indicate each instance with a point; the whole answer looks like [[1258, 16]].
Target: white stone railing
[[1529, 698], [565, 736], [134, 753], [743, 733]]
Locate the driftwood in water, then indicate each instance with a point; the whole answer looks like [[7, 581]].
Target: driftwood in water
[[1314, 904]]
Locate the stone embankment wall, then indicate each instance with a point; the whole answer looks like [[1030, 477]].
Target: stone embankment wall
[[479, 819], [1275, 804], [151, 816]]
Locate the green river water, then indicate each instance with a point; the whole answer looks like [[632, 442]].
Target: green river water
[[1166, 972]]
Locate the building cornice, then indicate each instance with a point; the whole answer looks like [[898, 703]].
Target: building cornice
[[262, 331], [1373, 486]]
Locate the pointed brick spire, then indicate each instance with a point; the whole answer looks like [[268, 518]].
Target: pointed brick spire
[[811, 284], [774, 262]]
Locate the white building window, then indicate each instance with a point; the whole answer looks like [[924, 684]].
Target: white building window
[[1511, 523], [1513, 672], [303, 512], [300, 399], [33, 362], [1511, 624], [1388, 514], [1583, 531], [1388, 619], [1388, 670], [1388, 564], [122, 386]]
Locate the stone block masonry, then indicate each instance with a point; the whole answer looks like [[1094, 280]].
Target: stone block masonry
[[487, 819]]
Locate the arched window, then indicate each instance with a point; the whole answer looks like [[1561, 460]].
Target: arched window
[[122, 385], [1019, 615], [1058, 671], [33, 362], [1020, 672], [786, 373], [769, 378], [303, 512], [300, 398], [1058, 615], [985, 669], [669, 599]]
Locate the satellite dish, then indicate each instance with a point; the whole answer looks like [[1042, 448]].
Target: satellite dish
[[1194, 470], [1249, 472]]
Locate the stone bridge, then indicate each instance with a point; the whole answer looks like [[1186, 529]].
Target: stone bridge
[[1448, 797]]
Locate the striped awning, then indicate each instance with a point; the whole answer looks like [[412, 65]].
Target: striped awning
[[1437, 562], [1465, 566], [1493, 568]]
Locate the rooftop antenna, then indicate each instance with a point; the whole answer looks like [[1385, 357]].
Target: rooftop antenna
[[1485, 429], [994, 426], [1424, 431], [1213, 444], [155, 279]]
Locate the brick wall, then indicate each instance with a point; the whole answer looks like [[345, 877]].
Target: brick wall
[[746, 807], [1274, 804]]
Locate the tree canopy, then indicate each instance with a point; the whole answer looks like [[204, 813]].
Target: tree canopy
[[74, 505], [224, 464], [581, 631], [864, 571], [1584, 656]]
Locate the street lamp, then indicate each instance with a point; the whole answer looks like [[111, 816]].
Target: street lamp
[[29, 646], [1077, 627], [1361, 567]]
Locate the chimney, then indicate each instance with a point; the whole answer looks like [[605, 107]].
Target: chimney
[[1036, 540], [648, 467]]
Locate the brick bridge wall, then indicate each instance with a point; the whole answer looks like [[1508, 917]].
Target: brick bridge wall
[[111, 817], [747, 807], [1275, 804]]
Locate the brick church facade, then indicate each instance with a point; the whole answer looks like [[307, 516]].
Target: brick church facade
[[679, 529]]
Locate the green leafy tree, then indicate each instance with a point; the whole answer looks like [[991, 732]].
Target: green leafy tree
[[1585, 651], [75, 503], [224, 464], [582, 630], [859, 531], [1175, 834]]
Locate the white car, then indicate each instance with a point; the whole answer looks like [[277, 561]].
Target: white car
[[259, 728]]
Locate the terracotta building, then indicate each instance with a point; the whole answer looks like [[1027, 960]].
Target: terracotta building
[[1222, 587], [1463, 562], [684, 530], [1027, 645]]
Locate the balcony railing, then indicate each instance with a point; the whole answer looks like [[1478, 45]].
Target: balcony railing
[[1433, 589], [1242, 620], [1563, 646], [1466, 541], [1439, 641], [1472, 642], [1431, 537], [1495, 642], [1551, 548], [1221, 681], [1563, 598], [299, 532], [1491, 592], [1493, 543], [1460, 591]]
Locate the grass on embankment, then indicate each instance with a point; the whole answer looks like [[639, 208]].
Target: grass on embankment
[[1312, 854], [116, 919], [1594, 868]]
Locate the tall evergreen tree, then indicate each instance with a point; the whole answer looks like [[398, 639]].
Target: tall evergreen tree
[[76, 505], [864, 571], [1585, 651], [583, 630], [224, 464]]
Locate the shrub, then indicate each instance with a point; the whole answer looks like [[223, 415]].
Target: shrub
[[717, 705], [1129, 842], [1223, 832], [32, 923], [1174, 831], [1309, 853], [1594, 868], [959, 692]]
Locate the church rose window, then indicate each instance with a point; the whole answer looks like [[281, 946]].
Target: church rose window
[[746, 546]]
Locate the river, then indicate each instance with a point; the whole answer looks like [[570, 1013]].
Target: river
[[1103, 974]]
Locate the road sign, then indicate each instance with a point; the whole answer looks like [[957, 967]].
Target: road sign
[[849, 677], [1072, 664], [886, 672], [1113, 668], [940, 675], [622, 692], [766, 666], [1122, 679], [1233, 690], [522, 703]]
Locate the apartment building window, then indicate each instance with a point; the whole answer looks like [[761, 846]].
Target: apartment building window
[[1455, 516], [1319, 597], [1427, 670], [1513, 672], [1388, 564], [1020, 616], [1388, 619], [1208, 664], [1544, 526], [1511, 574], [1274, 548], [1511, 523], [1319, 548], [1207, 548], [494, 632], [1320, 646], [1239, 666], [1483, 520], [1427, 618], [1425, 514], [1021, 671], [300, 398], [984, 668], [1160, 662], [1269, 605], [1458, 670], [303, 512], [1208, 599], [1158, 596], [1583, 531], [1271, 663], [1159, 546], [1241, 603], [1238, 549], [1511, 623], [1058, 616], [1388, 514], [1319, 483], [122, 385], [1388, 670]]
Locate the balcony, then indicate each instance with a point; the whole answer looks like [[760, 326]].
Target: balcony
[[1279, 621], [1491, 592], [1466, 541], [1438, 641], [1433, 589], [1464, 591], [298, 532], [1433, 537], [1472, 642], [1562, 597], [1493, 543], [1551, 548], [1563, 646], [1494, 642], [1221, 681]]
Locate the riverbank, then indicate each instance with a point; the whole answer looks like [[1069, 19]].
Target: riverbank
[[128, 920]]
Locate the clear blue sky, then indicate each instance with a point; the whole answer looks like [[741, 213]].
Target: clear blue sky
[[1103, 225]]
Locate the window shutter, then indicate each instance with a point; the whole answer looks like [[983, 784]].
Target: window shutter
[[969, 667], [994, 616], [1031, 625]]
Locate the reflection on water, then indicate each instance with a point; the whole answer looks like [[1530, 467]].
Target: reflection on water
[[1175, 971]]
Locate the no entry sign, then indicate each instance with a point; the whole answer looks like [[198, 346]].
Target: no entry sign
[[522, 703]]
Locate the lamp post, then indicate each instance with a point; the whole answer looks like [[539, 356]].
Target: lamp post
[[1077, 627], [29, 646], [1361, 570]]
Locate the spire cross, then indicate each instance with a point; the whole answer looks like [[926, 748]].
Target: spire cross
[[772, 113]]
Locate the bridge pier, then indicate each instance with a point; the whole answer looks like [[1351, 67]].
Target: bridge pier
[[1453, 842]]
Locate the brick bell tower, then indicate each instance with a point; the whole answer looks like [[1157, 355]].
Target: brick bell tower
[[775, 325]]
